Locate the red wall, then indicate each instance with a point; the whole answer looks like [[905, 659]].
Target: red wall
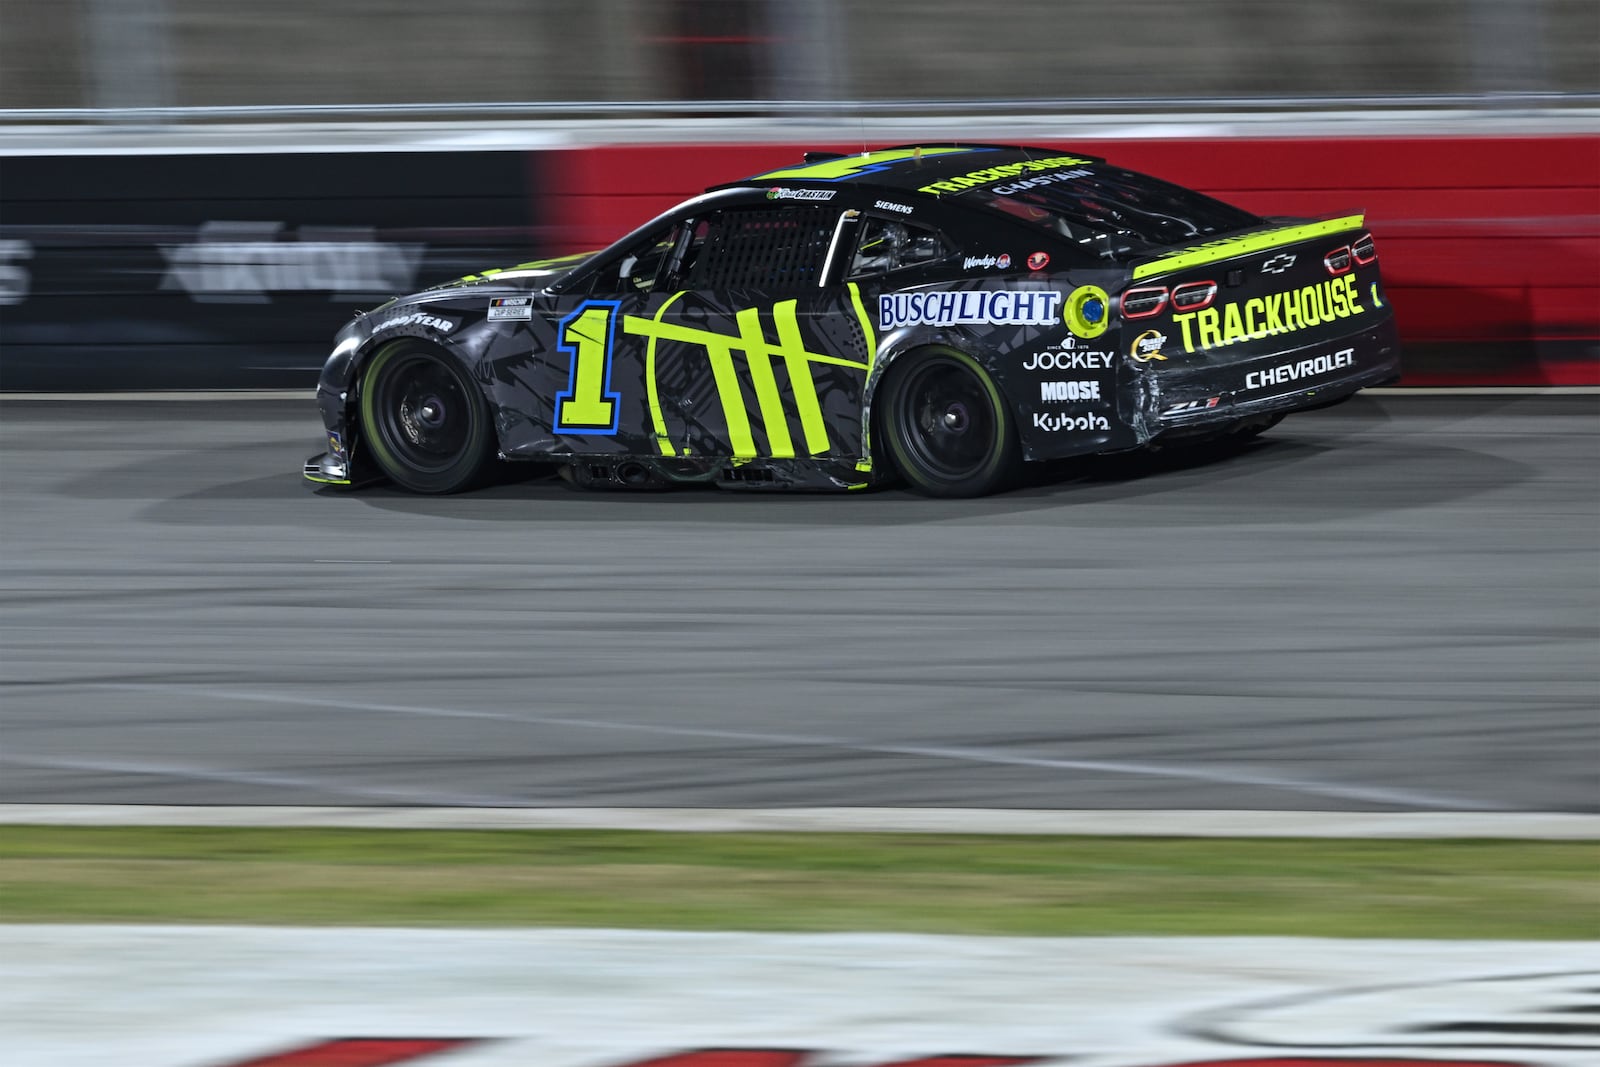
[[1490, 245]]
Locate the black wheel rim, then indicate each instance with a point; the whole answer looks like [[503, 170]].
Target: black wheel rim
[[946, 419], [423, 412]]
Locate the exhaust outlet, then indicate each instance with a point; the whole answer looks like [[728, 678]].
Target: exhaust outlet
[[632, 474]]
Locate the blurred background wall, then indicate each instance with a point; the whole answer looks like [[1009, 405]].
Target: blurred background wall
[[167, 249], [152, 53]]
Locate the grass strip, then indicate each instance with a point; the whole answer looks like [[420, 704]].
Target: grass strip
[[922, 883]]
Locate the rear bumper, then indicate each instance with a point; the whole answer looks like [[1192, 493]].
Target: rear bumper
[[1177, 400], [337, 465]]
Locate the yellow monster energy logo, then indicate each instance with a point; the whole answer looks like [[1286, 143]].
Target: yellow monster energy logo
[[585, 334]]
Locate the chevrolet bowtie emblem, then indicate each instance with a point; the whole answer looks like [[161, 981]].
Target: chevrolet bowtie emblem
[[1278, 264]]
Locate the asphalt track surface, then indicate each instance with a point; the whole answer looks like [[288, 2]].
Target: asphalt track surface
[[1393, 605]]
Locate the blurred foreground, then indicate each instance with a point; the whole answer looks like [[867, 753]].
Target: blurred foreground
[[231, 996]]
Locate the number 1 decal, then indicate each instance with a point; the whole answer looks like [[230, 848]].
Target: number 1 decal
[[588, 406]]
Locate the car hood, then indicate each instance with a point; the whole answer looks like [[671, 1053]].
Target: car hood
[[538, 274]]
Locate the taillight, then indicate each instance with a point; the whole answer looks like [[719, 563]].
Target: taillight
[[1142, 303], [1364, 250], [1337, 261], [1192, 296]]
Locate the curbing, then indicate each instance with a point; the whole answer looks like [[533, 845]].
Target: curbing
[[141, 996]]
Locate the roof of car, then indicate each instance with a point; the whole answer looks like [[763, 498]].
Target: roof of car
[[940, 169]]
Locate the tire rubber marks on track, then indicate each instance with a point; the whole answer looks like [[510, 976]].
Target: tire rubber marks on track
[[1236, 776]]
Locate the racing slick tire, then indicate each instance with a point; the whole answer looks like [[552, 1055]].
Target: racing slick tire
[[424, 421], [946, 426]]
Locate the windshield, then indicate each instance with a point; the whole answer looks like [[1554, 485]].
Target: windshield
[[1113, 213]]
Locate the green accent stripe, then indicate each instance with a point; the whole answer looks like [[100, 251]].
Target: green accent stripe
[[758, 358], [850, 166], [1231, 247], [871, 337], [801, 385], [866, 325], [734, 411], [657, 419], [691, 335]]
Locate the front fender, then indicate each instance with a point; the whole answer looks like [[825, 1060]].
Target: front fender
[[339, 385]]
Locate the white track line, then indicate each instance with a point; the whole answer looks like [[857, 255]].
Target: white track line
[[1546, 826], [1382, 795]]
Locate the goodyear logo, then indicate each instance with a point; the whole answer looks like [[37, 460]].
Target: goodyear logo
[[973, 179], [418, 318], [1259, 317]]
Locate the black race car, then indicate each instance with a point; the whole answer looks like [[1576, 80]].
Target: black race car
[[937, 313]]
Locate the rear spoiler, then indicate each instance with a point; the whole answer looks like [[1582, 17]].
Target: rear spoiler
[[1244, 244]]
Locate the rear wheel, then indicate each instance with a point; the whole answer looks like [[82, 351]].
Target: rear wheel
[[947, 427], [424, 421]]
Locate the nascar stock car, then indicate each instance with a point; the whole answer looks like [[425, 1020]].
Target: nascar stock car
[[937, 313]]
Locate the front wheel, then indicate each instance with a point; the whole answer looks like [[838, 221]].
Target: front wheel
[[947, 427], [424, 420]]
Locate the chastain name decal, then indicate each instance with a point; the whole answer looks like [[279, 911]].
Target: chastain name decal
[[1258, 317], [994, 307], [801, 194], [1043, 179], [1305, 368]]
